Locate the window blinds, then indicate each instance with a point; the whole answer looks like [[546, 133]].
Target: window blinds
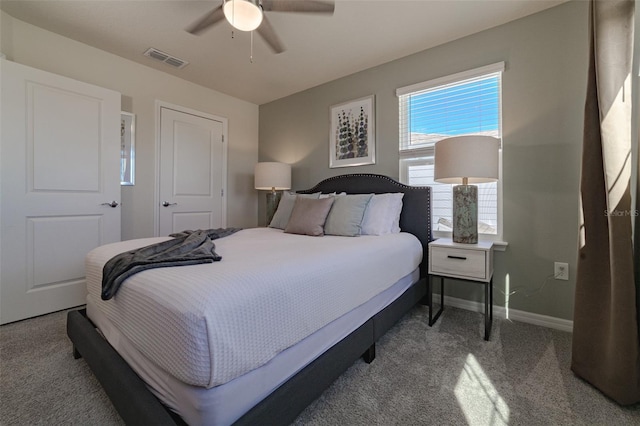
[[459, 104]]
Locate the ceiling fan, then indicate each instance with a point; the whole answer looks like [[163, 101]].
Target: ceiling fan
[[248, 15]]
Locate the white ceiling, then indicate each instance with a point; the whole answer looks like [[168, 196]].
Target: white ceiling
[[320, 48]]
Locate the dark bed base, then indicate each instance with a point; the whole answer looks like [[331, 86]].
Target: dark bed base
[[129, 394], [137, 405]]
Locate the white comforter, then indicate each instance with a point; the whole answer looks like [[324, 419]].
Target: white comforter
[[208, 324]]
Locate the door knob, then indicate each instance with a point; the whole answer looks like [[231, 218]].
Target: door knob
[[112, 204], [167, 204]]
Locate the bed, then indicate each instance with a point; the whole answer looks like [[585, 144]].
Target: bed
[[292, 345]]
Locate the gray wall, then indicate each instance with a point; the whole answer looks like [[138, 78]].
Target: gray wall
[[543, 99]]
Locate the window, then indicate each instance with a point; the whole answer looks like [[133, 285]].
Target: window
[[466, 103]]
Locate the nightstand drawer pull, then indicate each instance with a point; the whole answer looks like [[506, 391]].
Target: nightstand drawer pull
[[457, 257]]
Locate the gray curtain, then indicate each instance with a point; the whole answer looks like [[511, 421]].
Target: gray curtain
[[606, 349], [636, 236]]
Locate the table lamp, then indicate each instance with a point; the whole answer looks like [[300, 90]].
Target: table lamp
[[466, 160], [272, 176]]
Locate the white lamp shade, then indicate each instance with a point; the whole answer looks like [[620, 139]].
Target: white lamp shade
[[272, 175], [474, 157], [245, 15]]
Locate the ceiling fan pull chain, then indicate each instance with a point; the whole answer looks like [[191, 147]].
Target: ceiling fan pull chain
[[251, 52]]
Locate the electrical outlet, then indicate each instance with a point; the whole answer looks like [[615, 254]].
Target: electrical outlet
[[561, 271]]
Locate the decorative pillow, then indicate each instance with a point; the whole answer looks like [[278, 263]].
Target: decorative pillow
[[283, 212], [308, 216], [383, 214], [346, 215]]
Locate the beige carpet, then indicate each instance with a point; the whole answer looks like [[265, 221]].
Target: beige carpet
[[446, 374]]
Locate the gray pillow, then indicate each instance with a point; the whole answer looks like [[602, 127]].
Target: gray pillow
[[345, 217], [308, 216], [283, 212]]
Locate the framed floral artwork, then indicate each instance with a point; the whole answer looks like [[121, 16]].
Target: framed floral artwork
[[352, 140]]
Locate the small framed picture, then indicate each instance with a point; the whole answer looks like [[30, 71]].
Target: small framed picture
[[352, 141], [127, 148]]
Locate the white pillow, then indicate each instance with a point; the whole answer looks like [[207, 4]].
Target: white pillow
[[382, 215], [285, 207]]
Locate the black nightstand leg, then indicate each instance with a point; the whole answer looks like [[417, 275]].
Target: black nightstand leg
[[491, 298], [488, 308], [433, 319]]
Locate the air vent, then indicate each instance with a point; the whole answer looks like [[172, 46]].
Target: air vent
[[165, 57]]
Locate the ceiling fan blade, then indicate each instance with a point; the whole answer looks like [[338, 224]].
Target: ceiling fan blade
[[309, 6], [207, 20], [269, 35]]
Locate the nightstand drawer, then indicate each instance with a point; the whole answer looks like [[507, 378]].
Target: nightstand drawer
[[463, 263]]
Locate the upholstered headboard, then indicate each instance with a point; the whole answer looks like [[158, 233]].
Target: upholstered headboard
[[416, 203]]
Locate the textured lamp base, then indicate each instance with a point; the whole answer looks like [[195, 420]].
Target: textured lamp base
[[273, 199], [465, 214]]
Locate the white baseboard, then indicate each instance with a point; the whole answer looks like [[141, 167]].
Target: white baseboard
[[512, 314]]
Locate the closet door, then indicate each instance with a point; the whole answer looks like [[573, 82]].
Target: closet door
[[60, 182], [192, 171]]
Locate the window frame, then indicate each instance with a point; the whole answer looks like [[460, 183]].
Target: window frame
[[428, 151]]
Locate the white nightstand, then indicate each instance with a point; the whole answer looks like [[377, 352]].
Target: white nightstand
[[467, 262]]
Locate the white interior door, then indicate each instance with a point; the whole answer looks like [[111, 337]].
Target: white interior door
[[192, 172], [60, 162]]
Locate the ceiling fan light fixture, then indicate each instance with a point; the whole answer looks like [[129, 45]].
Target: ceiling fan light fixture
[[244, 15]]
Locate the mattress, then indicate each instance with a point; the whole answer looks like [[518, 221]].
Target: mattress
[[223, 405], [206, 325]]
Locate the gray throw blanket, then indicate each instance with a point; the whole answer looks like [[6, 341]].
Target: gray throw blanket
[[186, 248]]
